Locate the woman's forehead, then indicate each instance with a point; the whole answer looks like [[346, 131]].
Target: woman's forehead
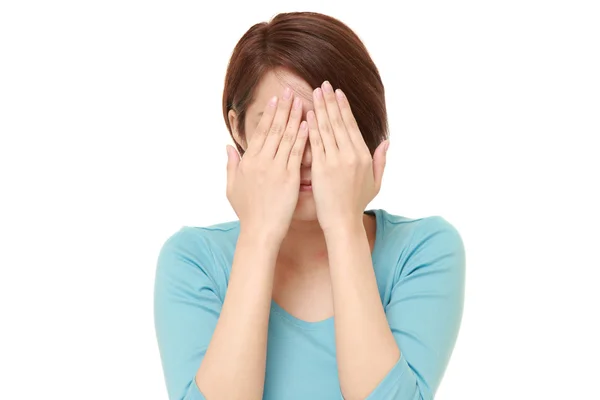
[[273, 84]]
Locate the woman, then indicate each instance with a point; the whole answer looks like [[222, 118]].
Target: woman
[[307, 295]]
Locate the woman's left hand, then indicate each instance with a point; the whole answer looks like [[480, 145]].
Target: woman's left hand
[[345, 178]]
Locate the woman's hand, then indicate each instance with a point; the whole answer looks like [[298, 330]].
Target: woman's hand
[[263, 186], [345, 178]]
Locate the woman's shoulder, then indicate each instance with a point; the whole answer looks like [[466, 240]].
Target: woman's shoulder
[[412, 240], [200, 251], [399, 227], [210, 237]]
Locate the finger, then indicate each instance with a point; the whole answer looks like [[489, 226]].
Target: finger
[[349, 120], [379, 160], [291, 131], [278, 125], [316, 143], [262, 130], [295, 159], [325, 129], [335, 117], [233, 160]]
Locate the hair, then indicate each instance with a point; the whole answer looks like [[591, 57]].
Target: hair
[[316, 47]]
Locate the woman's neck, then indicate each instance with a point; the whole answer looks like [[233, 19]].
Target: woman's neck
[[304, 247]]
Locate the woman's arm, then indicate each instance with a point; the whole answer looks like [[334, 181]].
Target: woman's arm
[[426, 302], [212, 348], [366, 349], [227, 342], [263, 190], [234, 365], [400, 351]]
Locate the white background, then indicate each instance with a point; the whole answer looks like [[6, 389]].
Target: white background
[[112, 138]]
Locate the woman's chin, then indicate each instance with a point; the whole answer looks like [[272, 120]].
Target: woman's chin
[[305, 209]]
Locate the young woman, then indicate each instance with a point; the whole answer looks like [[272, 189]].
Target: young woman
[[308, 295]]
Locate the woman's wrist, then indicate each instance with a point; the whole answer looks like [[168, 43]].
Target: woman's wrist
[[260, 238], [345, 229]]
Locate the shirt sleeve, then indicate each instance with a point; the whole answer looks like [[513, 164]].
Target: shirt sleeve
[[187, 306], [425, 311]]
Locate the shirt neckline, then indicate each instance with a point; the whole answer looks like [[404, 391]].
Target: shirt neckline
[[276, 309]]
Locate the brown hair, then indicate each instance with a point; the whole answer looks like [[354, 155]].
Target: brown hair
[[316, 47]]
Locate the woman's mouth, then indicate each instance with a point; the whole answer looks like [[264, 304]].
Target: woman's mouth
[[305, 185]]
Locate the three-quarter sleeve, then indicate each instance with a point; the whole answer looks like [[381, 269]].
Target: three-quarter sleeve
[[187, 306], [425, 311]]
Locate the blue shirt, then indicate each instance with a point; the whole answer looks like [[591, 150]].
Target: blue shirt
[[420, 270]]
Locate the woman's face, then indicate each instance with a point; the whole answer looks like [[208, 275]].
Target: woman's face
[[273, 84]]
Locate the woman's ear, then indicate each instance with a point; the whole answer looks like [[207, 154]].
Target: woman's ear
[[233, 123]]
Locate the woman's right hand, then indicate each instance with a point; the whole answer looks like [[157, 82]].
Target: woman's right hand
[[263, 185]]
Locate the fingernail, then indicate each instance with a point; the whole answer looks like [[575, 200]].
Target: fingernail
[[339, 94], [273, 101], [318, 93], [297, 102], [287, 93], [303, 125], [327, 87]]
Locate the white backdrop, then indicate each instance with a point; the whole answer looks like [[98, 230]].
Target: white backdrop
[[112, 138]]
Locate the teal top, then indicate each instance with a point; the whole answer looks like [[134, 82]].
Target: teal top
[[420, 269]]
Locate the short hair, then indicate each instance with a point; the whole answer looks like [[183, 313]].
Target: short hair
[[316, 47]]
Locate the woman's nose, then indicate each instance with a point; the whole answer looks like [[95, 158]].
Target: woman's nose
[[307, 156]]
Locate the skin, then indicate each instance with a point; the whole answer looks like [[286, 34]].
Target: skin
[[297, 245], [346, 179]]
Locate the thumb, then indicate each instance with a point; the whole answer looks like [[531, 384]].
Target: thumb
[[379, 159], [233, 159]]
